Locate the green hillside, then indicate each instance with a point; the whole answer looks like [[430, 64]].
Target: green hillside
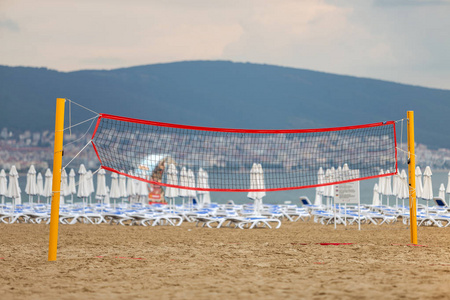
[[222, 94]]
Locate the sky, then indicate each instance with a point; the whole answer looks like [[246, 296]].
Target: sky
[[405, 41]]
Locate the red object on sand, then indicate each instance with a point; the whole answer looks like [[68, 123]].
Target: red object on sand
[[334, 244]]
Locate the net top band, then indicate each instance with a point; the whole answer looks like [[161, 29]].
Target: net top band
[[235, 130]]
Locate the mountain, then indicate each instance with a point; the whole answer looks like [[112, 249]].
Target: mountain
[[222, 94]]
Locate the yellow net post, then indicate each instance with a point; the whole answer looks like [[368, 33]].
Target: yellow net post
[[412, 178], [56, 185]]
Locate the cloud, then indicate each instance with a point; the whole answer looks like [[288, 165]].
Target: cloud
[[405, 41], [8, 24], [412, 3]]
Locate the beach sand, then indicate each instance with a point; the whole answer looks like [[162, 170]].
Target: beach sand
[[188, 262]]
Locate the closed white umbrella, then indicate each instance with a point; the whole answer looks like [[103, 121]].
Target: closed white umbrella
[[143, 190], [387, 186], [403, 188], [3, 186], [448, 184], [48, 185], [191, 183], [331, 188], [131, 187], [202, 182], [40, 186], [253, 183], [260, 185], [183, 182], [72, 184], [30, 187], [427, 185], [442, 191], [101, 184], [83, 189], [419, 184], [101, 191], [13, 187], [376, 196], [89, 178], [172, 179], [206, 195], [123, 186], [395, 184], [64, 187], [83, 185], [114, 193], [381, 186], [320, 189]]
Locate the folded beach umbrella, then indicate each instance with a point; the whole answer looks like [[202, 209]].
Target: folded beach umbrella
[[83, 185], [338, 174], [318, 198], [64, 187], [253, 170], [448, 184], [183, 182], [260, 185], [143, 190], [40, 186], [64, 183], [381, 186], [327, 179], [387, 186], [260, 182], [115, 190], [3, 186], [30, 187], [172, 179], [419, 184], [131, 186], [191, 183], [13, 187], [403, 186], [376, 196], [48, 185], [123, 185], [320, 189], [203, 182], [395, 184], [442, 191], [427, 185], [72, 183], [346, 174], [101, 184]]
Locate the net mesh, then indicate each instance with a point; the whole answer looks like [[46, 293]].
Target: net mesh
[[291, 159]]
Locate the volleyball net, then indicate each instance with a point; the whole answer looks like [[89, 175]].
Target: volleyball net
[[291, 159]]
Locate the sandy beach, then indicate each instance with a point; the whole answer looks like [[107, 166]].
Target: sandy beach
[[188, 262]]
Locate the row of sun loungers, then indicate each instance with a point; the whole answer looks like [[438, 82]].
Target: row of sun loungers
[[438, 215], [229, 215], [214, 215]]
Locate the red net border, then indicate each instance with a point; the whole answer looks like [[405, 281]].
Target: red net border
[[268, 131]]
